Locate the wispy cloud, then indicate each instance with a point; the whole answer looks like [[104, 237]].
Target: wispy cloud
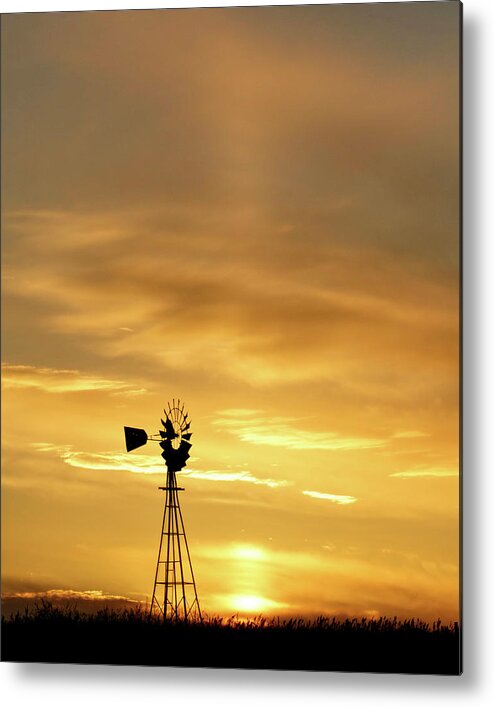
[[333, 497], [52, 380], [104, 461], [147, 464], [231, 318], [68, 595], [244, 476], [89, 601], [426, 472], [283, 432], [410, 434]]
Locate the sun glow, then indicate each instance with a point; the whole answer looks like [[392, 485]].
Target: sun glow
[[252, 603], [248, 552]]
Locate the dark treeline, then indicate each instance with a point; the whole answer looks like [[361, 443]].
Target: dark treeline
[[131, 637]]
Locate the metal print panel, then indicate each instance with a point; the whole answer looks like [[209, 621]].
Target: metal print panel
[[230, 298]]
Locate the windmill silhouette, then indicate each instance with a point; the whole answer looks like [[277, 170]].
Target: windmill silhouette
[[174, 591]]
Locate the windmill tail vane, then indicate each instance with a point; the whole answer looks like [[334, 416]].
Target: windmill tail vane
[[174, 592]]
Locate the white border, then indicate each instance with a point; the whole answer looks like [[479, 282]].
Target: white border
[[55, 686]]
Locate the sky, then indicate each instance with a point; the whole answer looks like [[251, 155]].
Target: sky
[[255, 211]]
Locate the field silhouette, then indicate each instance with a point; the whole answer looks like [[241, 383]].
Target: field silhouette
[[51, 634]]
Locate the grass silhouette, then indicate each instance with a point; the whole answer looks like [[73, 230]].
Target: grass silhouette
[[53, 634]]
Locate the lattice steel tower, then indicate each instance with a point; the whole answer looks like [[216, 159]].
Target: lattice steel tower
[[174, 591]]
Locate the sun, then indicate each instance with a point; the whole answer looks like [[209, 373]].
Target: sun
[[249, 603], [253, 604]]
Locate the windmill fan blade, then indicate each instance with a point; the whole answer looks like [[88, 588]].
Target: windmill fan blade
[[181, 458], [134, 438], [170, 432], [166, 445]]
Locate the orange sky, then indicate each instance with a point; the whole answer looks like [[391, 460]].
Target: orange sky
[[255, 210]]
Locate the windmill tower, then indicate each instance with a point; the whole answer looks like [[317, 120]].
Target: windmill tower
[[174, 591]]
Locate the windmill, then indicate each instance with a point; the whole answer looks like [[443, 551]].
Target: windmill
[[174, 591]]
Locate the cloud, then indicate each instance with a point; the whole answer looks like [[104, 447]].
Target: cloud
[[267, 321], [426, 472], [52, 380], [147, 464], [105, 461], [92, 600], [282, 432], [244, 476], [68, 595], [265, 233], [410, 434], [333, 497]]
